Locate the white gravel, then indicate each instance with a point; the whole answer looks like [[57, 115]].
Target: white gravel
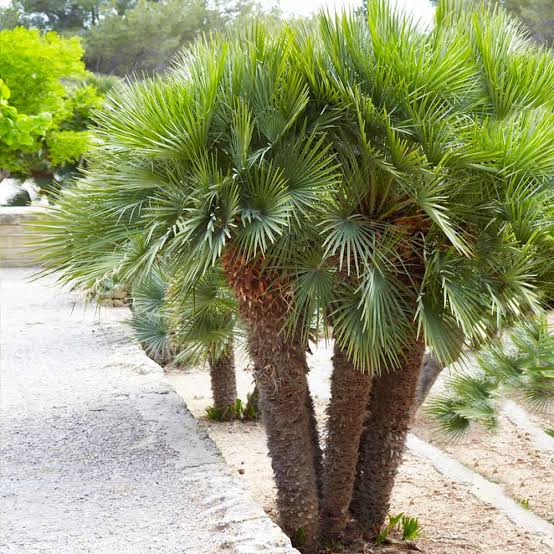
[[97, 454]]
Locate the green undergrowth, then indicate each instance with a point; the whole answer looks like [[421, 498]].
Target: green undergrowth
[[238, 411]]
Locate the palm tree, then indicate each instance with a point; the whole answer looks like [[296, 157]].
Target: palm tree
[[192, 326], [204, 323], [447, 167], [212, 165], [361, 176]]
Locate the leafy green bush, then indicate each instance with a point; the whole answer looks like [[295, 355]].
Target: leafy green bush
[[66, 147], [45, 102], [20, 134], [33, 64]]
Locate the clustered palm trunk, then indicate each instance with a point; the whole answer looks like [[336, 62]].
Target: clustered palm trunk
[[383, 440], [350, 391], [223, 382], [287, 409]]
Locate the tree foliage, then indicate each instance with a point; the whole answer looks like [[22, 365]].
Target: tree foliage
[[178, 326], [449, 156], [46, 101]]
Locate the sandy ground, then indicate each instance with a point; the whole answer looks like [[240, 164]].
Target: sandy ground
[[507, 457], [452, 519]]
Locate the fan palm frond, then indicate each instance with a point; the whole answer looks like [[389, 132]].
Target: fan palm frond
[[523, 366]]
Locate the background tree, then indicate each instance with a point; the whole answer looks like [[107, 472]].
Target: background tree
[[63, 16], [538, 16], [20, 134], [50, 101], [134, 42]]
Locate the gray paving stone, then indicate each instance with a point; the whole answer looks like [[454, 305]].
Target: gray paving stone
[[97, 454]]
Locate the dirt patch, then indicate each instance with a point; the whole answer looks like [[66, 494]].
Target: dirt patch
[[507, 457]]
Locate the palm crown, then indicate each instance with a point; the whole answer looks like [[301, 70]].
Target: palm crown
[[391, 174]]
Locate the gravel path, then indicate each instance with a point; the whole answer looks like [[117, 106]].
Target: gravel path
[[98, 454]]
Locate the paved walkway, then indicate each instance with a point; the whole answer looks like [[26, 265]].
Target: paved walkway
[[97, 454]]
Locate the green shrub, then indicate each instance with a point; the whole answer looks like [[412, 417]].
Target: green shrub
[[20, 134], [45, 102], [522, 366], [67, 147]]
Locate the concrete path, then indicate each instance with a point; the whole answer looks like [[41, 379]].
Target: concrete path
[[97, 454]]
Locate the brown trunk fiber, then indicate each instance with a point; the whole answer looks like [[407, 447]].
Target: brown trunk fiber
[[383, 440], [286, 418], [281, 369], [350, 389], [318, 453], [224, 386]]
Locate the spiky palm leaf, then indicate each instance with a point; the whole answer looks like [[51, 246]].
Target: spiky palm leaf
[[523, 366], [176, 324], [205, 317], [150, 322], [375, 168]]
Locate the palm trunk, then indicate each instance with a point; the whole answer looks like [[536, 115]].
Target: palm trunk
[[255, 401], [430, 370], [316, 445], [350, 389], [283, 387], [281, 371], [383, 440], [223, 379]]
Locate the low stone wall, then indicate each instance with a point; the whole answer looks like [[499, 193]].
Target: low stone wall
[[15, 237]]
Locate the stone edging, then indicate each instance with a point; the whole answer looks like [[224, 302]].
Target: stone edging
[[14, 238]]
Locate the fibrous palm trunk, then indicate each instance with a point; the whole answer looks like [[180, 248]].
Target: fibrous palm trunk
[[281, 378], [316, 445], [383, 439], [223, 379], [350, 389]]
